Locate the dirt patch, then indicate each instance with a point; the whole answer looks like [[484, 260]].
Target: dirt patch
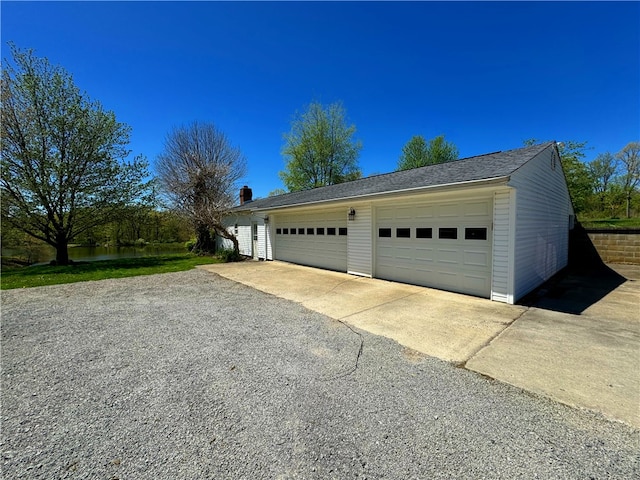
[[413, 356]]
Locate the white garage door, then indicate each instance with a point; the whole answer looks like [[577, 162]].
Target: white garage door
[[444, 245], [315, 239]]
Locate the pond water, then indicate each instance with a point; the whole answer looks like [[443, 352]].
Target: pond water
[[45, 253]]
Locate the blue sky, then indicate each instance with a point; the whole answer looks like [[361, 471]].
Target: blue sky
[[486, 75]]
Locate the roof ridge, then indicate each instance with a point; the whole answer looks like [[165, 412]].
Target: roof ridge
[[478, 167], [457, 160]]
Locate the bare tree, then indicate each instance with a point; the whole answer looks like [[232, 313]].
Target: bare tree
[[629, 157], [199, 171]]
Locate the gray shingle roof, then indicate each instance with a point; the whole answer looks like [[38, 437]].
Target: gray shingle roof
[[482, 167]]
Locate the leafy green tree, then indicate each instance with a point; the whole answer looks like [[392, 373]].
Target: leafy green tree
[[276, 192], [320, 149], [602, 171], [613, 199], [414, 154], [418, 153], [198, 171], [629, 158], [63, 156], [168, 227], [579, 180]]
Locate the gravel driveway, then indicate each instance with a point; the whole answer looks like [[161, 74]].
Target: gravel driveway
[[191, 376]]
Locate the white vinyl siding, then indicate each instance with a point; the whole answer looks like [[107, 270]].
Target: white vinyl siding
[[359, 244], [262, 250], [503, 246], [245, 235], [268, 235], [244, 240], [542, 221]]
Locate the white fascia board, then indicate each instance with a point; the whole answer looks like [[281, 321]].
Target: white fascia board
[[432, 188]]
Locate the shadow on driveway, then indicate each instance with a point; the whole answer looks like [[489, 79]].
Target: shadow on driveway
[[575, 288], [585, 282]]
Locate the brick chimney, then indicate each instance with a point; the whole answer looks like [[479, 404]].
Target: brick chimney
[[245, 195]]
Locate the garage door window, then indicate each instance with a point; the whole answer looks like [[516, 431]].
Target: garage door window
[[301, 231], [424, 232], [320, 231], [403, 232], [384, 232], [448, 233], [309, 231], [278, 231], [331, 231], [285, 231], [293, 231], [475, 233], [342, 231]]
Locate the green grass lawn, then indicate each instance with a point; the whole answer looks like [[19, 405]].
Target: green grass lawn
[[40, 275], [611, 223]]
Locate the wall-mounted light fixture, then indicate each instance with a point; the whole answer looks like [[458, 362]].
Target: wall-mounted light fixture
[[266, 219], [352, 214]]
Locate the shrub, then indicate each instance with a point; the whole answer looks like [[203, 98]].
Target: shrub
[[228, 255], [189, 244]]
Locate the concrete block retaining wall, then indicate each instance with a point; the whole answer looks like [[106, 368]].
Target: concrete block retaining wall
[[616, 246]]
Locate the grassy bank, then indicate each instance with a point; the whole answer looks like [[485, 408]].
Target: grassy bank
[[40, 275], [611, 223]]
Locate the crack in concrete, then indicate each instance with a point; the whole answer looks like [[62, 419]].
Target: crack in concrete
[[463, 364], [336, 286], [378, 306]]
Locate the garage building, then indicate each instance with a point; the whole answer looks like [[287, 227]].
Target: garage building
[[493, 226]]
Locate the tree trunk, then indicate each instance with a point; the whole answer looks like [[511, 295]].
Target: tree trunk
[[62, 252], [204, 241], [236, 245], [628, 205], [223, 232]]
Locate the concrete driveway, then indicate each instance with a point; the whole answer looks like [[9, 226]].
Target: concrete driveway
[[587, 360]]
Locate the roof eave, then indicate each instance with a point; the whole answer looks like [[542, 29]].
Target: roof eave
[[503, 180]]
